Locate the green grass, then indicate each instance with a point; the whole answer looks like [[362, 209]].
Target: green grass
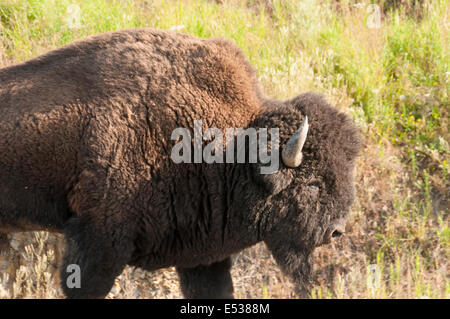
[[393, 80]]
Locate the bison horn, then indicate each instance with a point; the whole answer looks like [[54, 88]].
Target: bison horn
[[292, 151]]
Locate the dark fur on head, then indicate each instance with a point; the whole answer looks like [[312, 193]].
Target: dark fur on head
[[313, 199]]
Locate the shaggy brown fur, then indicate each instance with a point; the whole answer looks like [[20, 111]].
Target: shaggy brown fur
[[85, 150]]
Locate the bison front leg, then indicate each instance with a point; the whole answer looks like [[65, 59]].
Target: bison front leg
[[210, 282], [99, 237], [296, 262], [93, 259]]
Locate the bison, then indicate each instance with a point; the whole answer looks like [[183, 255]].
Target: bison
[[85, 150]]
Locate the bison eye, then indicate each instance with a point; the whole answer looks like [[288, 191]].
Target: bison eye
[[336, 233], [314, 183], [313, 191], [314, 188]]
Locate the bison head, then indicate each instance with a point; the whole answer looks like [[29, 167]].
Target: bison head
[[309, 198]]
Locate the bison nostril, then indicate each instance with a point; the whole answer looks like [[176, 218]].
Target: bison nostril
[[336, 233]]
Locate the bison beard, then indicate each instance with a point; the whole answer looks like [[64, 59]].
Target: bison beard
[[85, 150], [296, 262]]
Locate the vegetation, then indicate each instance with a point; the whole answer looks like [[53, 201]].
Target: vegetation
[[385, 62]]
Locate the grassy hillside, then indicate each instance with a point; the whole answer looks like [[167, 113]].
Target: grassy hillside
[[386, 65]]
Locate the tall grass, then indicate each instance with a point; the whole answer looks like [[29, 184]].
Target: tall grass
[[392, 78]]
